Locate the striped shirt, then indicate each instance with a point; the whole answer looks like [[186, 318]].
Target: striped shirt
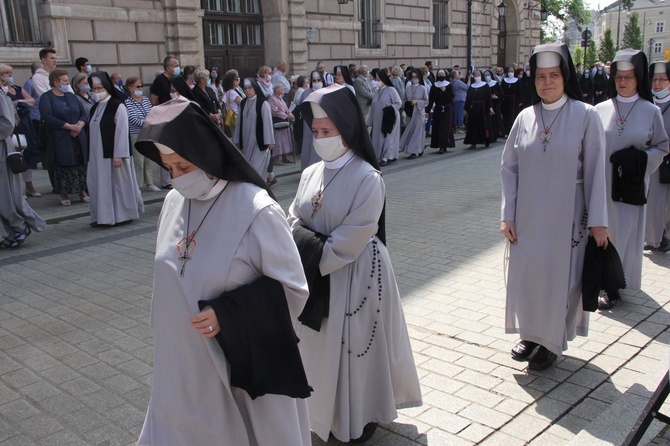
[[136, 113]]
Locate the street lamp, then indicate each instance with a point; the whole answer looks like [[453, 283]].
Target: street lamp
[[502, 9], [544, 13], [343, 2]]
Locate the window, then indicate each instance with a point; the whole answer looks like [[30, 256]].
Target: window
[[660, 27], [370, 34], [18, 23], [232, 6], [441, 24], [253, 35], [658, 47]]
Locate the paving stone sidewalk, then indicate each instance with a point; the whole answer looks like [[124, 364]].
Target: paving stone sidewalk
[[76, 347]]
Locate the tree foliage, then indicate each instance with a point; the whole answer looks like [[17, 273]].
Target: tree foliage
[[577, 55], [607, 50], [591, 54], [632, 34], [568, 9]]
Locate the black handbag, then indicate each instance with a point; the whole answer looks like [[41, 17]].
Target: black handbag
[[16, 163], [409, 108], [664, 170]]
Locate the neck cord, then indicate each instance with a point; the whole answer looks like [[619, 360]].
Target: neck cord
[[546, 134], [622, 121], [317, 199]]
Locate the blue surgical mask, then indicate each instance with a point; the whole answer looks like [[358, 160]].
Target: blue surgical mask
[[64, 88], [85, 88], [120, 82], [10, 79], [487, 78], [209, 82], [89, 68], [177, 71]]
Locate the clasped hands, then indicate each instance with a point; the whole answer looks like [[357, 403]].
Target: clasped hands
[[599, 233]]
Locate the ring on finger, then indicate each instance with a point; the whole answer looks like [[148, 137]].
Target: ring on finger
[[211, 328]]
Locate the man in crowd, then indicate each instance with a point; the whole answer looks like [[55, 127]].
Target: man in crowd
[[83, 66], [279, 77], [117, 82], [327, 77], [363, 91]]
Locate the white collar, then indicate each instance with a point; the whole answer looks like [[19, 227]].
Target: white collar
[[633, 98], [511, 80], [555, 105], [662, 101], [478, 84], [216, 190], [492, 83], [440, 84], [341, 161]]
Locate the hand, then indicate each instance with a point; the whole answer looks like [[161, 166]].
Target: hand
[[116, 162], [414, 102], [508, 230], [601, 236], [74, 134], [205, 322], [271, 146], [491, 112], [291, 117]]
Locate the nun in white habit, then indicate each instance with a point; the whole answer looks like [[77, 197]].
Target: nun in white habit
[[254, 134], [387, 145], [110, 176], [413, 141], [658, 203], [553, 190], [630, 119], [360, 360], [219, 230]]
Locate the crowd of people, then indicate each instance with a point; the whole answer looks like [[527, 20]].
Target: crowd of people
[[227, 317]]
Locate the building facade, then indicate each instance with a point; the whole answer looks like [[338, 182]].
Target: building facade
[[133, 36]]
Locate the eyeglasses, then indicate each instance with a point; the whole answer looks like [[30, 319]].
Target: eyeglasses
[[624, 78], [660, 80], [139, 87]]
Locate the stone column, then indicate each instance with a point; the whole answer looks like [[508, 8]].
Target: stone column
[[183, 31], [297, 37]]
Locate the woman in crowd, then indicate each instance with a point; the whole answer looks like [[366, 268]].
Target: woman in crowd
[[82, 91], [281, 118], [205, 96], [496, 96], [478, 109], [232, 98], [22, 102], [460, 89], [254, 134], [384, 119], [356, 348], [429, 85], [510, 100], [658, 202], [64, 120], [635, 136], [440, 105], [111, 178], [188, 75], [244, 245], [343, 77], [398, 84], [138, 107], [600, 86], [18, 218], [307, 154], [217, 85], [586, 84], [553, 176], [412, 141], [265, 80]]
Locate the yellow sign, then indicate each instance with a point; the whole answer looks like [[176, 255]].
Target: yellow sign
[[667, 54]]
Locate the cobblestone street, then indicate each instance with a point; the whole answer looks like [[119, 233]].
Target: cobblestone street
[[76, 347]]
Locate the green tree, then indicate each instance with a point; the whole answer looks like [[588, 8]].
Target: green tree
[[607, 50], [632, 34], [565, 9], [577, 55], [591, 53]]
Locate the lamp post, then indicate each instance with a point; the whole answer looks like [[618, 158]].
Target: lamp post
[[502, 9], [343, 2], [618, 26]]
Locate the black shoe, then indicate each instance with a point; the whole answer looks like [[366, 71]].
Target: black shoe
[[421, 154], [542, 360], [486, 144], [523, 350], [664, 246], [649, 248], [393, 160], [368, 432], [412, 156], [383, 163], [441, 151], [167, 186], [272, 182], [472, 147], [609, 300]]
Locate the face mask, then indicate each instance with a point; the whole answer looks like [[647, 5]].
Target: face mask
[[89, 68], [600, 70], [101, 95], [120, 82], [177, 71], [193, 185], [487, 78], [174, 95], [661, 94], [137, 93], [209, 82], [85, 88], [415, 81], [215, 76], [441, 78], [510, 75], [317, 85], [528, 72], [191, 86], [10, 79], [64, 88], [478, 78], [329, 149]]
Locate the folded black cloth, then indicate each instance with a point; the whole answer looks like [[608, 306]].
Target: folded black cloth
[[258, 340], [664, 170], [310, 246], [628, 169], [602, 271], [388, 119]]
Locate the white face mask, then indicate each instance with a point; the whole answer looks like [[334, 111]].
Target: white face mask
[[89, 68], [329, 149], [317, 85], [137, 93], [194, 185], [510, 75], [174, 95], [661, 94], [101, 95], [478, 78], [528, 72], [415, 81]]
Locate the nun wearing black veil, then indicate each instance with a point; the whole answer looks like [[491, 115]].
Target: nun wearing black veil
[[222, 241], [110, 176], [356, 348], [633, 126], [553, 200], [342, 76]]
